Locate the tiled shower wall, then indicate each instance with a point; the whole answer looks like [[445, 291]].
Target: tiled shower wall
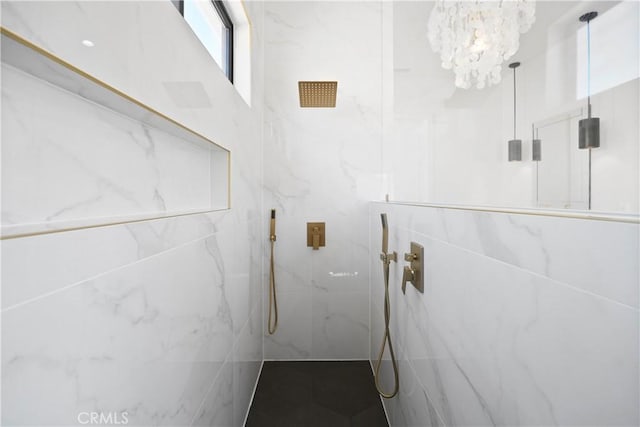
[[524, 320], [322, 165], [162, 319]]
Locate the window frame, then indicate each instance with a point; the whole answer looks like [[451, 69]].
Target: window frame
[[227, 23]]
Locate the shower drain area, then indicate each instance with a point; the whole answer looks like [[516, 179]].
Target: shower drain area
[[316, 394]]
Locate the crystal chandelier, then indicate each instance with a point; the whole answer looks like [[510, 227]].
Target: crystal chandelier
[[475, 37]]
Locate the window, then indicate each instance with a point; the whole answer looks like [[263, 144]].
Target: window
[[211, 23]]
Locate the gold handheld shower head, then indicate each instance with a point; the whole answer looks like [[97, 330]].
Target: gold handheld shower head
[[272, 226], [385, 233], [386, 260], [273, 302]]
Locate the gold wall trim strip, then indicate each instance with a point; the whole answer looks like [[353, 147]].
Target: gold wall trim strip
[[229, 181], [623, 218], [107, 224], [58, 60]]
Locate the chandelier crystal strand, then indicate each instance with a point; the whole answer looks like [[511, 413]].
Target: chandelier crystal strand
[[474, 38]]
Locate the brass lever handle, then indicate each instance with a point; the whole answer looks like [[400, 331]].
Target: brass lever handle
[[407, 276], [414, 272], [315, 235], [315, 238]]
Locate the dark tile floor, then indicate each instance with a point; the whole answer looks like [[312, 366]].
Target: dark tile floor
[[316, 394]]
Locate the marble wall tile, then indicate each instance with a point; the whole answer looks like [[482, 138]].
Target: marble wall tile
[[237, 275], [107, 344], [292, 339], [415, 406], [340, 325], [315, 169], [596, 256], [497, 344], [91, 252], [217, 408], [247, 363], [131, 291], [131, 316], [65, 159]]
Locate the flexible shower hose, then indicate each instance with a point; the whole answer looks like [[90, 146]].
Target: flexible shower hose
[[273, 303], [386, 338]]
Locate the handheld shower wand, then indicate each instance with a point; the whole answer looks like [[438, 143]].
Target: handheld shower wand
[[272, 226], [386, 260], [273, 303], [385, 233]]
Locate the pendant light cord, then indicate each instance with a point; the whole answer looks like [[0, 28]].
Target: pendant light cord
[[589, 68], [589, 96], [513, 66], [514, 102], [590, 133]]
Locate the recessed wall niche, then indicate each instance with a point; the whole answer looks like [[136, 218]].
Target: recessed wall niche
[[78, 153]]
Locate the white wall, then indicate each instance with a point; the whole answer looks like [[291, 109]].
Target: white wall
[[322, 165], [524, 320], [160, 319]]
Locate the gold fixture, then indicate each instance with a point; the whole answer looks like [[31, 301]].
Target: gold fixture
[[273, 302], [386, 258], [316, 94], [414, 272], [315, 235]]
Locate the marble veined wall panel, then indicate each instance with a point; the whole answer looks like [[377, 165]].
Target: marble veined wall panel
[[66, 158], [517, 336], [161, 319], [322, 164]]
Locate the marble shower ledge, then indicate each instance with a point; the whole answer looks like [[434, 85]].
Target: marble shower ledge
[[40, 64], [575, 214]]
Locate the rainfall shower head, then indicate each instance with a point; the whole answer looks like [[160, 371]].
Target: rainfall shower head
[[316, 94]]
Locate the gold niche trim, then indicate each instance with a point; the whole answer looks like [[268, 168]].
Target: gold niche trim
[[17, 38], [317, 94]]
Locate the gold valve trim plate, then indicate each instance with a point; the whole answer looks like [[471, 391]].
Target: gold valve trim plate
[[315, 235]]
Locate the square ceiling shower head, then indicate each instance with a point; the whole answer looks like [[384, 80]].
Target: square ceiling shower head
[[318, 94]]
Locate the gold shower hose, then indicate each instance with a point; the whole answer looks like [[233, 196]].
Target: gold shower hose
[[273, 303], [386, 260]]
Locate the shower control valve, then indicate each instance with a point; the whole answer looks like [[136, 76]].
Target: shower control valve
[[408, 275], [414, 272]]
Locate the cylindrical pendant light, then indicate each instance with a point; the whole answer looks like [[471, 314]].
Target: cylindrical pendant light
[[536, 150], [589, 128], [515, 145]]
